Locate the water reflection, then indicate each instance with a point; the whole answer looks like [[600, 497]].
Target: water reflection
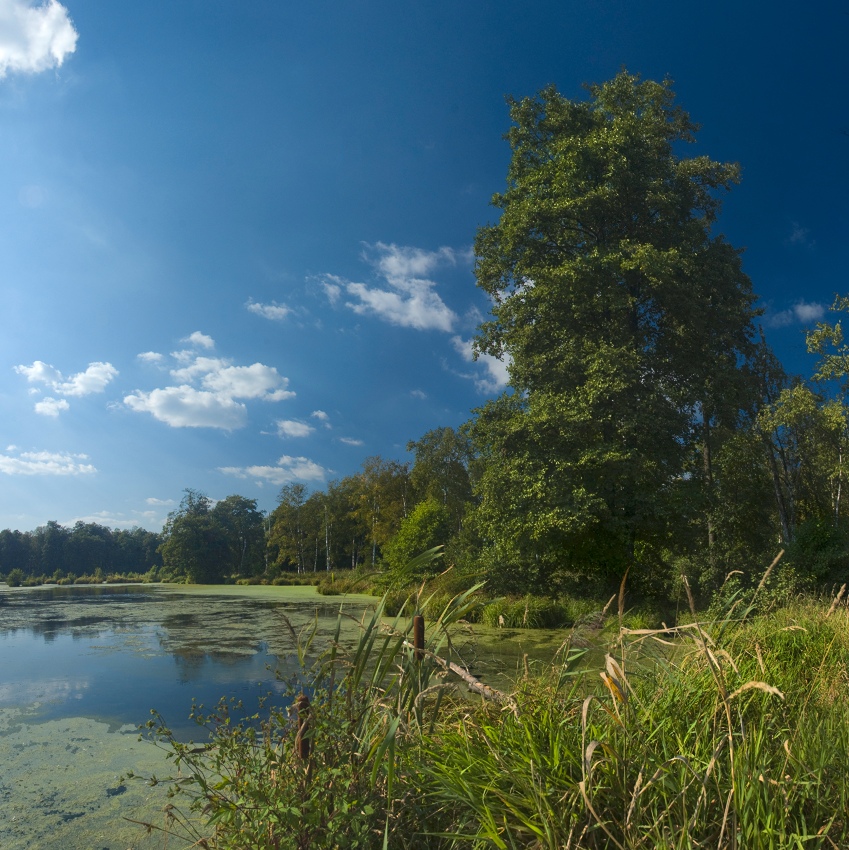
[[115, 652]]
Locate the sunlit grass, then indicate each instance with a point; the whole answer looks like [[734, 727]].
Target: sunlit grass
[[728, 733]]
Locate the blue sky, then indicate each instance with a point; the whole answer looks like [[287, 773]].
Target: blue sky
[[236, 237]]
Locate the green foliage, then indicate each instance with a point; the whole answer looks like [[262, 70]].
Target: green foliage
[[827, 341], [529, 612], [204, 543], [243, 525], [15, 577], [819, 554], [692, 750], [808, 437], [288, 536], [355, 790], [346, 526], [53, 549], [627, 326], [723, 734], [428, 525], [440, 472], [345, 581], [195, 543]]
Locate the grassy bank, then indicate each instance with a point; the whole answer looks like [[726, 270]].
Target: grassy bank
[[722, 734]]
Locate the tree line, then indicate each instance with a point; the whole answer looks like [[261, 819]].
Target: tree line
[[647, 429], [57, 552]]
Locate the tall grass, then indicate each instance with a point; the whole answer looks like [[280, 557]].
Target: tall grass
[[729, 733], [735, 735]]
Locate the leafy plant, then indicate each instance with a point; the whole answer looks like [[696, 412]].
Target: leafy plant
[[247, 787]]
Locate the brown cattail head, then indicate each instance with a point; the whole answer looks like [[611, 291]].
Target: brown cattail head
[[418, 636], [302, 741]]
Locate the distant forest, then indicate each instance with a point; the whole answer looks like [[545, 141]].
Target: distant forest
[[57, 552]]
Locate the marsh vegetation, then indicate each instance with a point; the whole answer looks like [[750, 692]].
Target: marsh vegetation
[[730, 732]]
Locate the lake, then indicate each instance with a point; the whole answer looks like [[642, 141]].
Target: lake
[[81, 668]]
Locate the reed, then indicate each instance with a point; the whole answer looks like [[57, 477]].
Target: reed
[[728, 732]]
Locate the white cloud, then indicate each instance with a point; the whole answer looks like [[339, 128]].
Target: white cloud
[[411, 300], [44, 463], [150, 357], [274, 311], [106, 518], [802, 312], [152, 500], [34, 38], [399, 263], [332, 286], [418, 394], [40, 373], [351, 441], [256, 381], [419, 307], [812, 312], [293, 428], [51, 406], [217, 375], [800, 235], [95, 379], [199, 340], [186, 407], [497, 374], [210, 390], [198, 366], [286, 470], [322, 417]]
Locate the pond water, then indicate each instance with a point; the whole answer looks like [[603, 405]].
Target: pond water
[[81, 668]]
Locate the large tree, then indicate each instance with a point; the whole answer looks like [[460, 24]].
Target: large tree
[[194, 542], [441, 470], [287, 539], [244, 526], [627, 326]]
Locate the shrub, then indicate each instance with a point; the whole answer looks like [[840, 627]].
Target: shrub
[[427, 526]]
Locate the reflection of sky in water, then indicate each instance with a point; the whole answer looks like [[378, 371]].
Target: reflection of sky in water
[[115, 655]]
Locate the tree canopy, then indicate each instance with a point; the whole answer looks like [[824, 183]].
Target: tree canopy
[[626, 323]]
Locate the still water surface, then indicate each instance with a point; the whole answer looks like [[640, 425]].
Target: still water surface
[[114, 652], [80, 669]]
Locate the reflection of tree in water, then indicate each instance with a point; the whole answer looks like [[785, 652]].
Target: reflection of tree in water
[[214, 638], [81, 612], [222, 632], [241, 636], [78, 627]]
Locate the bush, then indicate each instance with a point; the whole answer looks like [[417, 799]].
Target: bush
[[427, 526], [819, 554], [347, 581], [15, 578], [528, 612]]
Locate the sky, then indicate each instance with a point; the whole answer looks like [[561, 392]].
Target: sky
[[236, 238]]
